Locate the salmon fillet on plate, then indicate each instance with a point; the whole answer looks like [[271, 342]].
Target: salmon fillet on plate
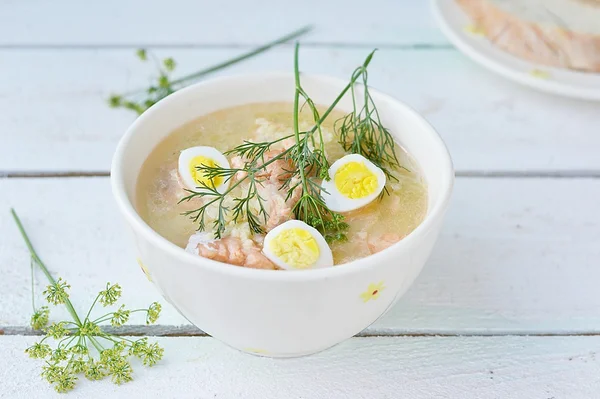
[[558, 33]]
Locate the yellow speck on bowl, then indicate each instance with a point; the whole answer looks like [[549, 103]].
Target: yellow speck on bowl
[[372, 292]]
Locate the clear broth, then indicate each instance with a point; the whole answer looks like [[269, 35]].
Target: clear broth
[[396, 214]]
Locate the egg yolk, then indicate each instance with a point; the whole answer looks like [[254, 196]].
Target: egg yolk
[[354, 180], [199, 176], [296, 247]]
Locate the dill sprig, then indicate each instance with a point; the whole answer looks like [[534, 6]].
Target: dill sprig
[[361, 131], [81, 345], [242, 208], [140, 100], [311, 163]]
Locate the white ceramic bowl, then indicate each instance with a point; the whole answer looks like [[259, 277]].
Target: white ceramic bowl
[[280, 313]]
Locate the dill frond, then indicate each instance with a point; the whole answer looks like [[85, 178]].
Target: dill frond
[[361, 131]]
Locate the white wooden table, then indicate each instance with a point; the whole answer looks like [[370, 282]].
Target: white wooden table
[[508, 305]]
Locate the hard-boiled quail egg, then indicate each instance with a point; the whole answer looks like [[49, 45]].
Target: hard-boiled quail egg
[[193, 157], [355, 182], [294, 245]]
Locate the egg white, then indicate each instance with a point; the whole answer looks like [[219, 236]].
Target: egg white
[[325, 256], [186, 156], [338, 202]]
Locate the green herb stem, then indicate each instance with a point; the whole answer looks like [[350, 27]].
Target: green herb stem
[[235, 60], [96, 344], [245, 56], [87, 316], [32, 286], [349, 86], [301, 168], [39, 262]]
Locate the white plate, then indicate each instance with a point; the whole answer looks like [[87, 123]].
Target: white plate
[[453, 22]]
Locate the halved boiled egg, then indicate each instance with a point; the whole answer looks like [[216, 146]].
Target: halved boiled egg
[[294, 245], [355, 182], [192, 157]]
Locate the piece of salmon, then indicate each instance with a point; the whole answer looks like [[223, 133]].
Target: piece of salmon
[[379, 243], [560, 33], [229, 250], [272, 187], [369, 244], [171, 190]]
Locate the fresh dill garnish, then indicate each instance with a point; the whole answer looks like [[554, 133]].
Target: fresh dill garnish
[[83, 346], [361, 132], [242, 208], [140, 100], [311, 167]]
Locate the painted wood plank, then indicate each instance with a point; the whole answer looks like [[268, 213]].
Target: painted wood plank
[[515, 256], [385, 367], [188, 22], [55, 116]]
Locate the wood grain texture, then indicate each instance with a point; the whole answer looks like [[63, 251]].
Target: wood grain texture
[[390, 367], [188, 22], [515, 256], [59, 120]]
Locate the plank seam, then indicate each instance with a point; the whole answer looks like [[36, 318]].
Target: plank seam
[[216, 46], [549, 174], [191, 331]]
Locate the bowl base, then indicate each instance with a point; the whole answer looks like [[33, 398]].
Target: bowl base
[[264, 353]]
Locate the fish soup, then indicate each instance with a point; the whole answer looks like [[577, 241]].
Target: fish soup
[[242, 208]]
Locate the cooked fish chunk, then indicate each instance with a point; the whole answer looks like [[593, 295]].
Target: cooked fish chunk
[[230, 250]]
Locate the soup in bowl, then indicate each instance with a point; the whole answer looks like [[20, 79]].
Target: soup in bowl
[[280, 276]]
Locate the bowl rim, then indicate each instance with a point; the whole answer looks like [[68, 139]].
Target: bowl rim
[[138, 224]]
